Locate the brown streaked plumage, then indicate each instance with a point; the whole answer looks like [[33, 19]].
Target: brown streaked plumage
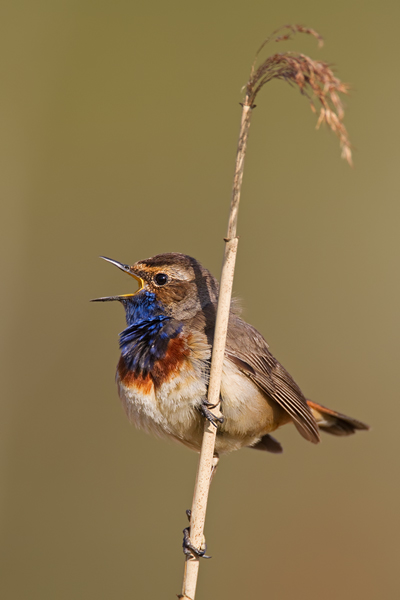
[[163, 371]]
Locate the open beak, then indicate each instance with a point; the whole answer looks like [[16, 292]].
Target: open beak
[[126, 269]]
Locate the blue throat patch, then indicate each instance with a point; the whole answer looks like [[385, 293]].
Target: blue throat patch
[[145, 339]]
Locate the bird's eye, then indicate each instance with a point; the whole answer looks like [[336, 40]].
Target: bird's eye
[[161, 279]]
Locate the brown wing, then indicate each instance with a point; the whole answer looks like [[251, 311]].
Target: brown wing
[[248, 350]]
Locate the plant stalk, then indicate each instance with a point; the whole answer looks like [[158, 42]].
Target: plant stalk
[[206, 460]]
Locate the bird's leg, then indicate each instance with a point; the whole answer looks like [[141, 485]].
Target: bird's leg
[[209, 404], [188, 548], [187, 545], [204, 408]]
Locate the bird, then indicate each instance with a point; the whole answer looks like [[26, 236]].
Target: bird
[[163, 370]]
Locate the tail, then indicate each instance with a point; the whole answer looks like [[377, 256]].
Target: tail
[[327, 420], [333, 422]]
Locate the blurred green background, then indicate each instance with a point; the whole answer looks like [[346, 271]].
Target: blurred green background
[[119, 123]]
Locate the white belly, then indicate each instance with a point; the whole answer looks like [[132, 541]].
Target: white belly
[[170, 409]]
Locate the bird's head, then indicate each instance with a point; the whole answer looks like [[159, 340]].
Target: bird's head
[[176, 283]]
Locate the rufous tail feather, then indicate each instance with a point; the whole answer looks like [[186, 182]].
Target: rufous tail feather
[[334, 422]]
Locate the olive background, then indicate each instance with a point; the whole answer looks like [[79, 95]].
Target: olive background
[[119, 123]]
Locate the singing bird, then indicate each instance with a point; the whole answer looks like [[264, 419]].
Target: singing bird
[[163, 371]]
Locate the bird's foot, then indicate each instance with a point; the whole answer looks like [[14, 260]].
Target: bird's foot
[[206, 412], [188, 549], [209, 404]]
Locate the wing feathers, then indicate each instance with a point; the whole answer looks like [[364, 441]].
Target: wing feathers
[[269, 375], [277, 389]]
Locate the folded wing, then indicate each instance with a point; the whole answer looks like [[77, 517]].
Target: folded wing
[[249, 352]]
